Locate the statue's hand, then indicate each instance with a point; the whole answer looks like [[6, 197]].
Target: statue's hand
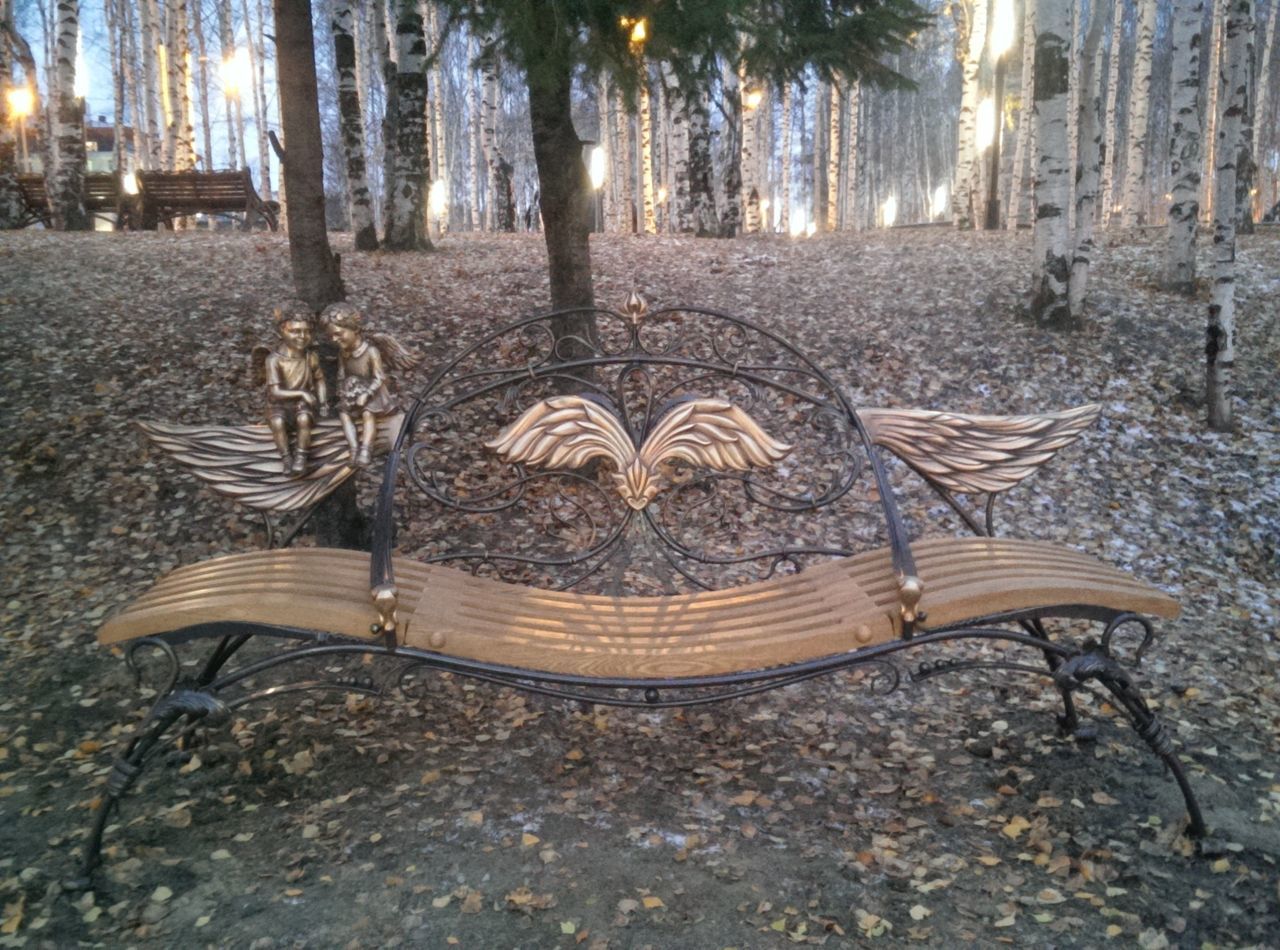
[[309, 399], [325, 411]]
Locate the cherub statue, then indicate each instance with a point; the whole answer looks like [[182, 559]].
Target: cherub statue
[[363, 383], [295, 385]]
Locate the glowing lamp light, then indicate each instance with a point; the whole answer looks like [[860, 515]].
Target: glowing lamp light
[[662, 194], [797, 224], [236, 72], [985, 131], [129, 182], [1002, 23], [889, 212], [81, 85], [597, 167], [752, 98], [22, 102], [939, 205], [438, 198], [639, 27], [811, 229]]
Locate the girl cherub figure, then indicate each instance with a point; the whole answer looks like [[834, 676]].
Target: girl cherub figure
[[295, 385], [364, 360]]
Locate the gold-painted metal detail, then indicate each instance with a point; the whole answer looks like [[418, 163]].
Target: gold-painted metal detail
[[910, 590], [385, 601], [966, 453], [636, 307], [569, 431], [295, 385], [243, 462]]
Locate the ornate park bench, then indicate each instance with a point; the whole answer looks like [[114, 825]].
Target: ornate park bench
[[168, 195], [662, 509]]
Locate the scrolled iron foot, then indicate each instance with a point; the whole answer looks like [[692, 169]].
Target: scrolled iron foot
[[1076, 672], [125, 770]]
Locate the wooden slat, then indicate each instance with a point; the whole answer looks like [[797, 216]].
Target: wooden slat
[[832, 608]]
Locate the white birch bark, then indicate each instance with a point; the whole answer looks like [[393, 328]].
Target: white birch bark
[[962, 214], [784, 176], [622, 174], [662, 154], [1111, 138], [165, 128], [1073, 108], [115, 50], [1088, 156], [1052, 262], [408, 186], [67, 194], [1245, 171], [1019, 204], [130, 59], [1264, 128], [853, 179], [833, 157], [646, 156], [604, 139], [702, 199], [257, 73], [475, 167], [184, 151], [201, 67], [1216, 41], [1184, 147], [1133, 211], [440, 164], [351, 116], [231, 99], [1233, 83], [735, 129], [678, 150], [489, 142]]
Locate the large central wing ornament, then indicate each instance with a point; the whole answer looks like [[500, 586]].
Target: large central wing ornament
[[569, 431]]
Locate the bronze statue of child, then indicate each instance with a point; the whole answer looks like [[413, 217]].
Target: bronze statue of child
[[364, 391], [296, 391]]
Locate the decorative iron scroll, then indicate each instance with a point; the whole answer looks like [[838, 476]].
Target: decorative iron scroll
[[570, 431], [652, 451], [975, 454]]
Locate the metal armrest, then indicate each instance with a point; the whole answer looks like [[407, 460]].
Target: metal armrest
[[382, 579]]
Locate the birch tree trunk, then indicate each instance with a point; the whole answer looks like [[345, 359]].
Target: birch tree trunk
[[202, 82], [489, 142], [1233, 83], [1089, 153], [231, 99], [133, 87], [833, 158], [153, 69], [678, 109], [475, 168], [735, 132], [962, 187], [784, 178], [1244, 141], [408, 186], [257, 69], [114, 19], [1049, 301], [702, 199], [1111, 138], [1216, 42], [1020, 187], [440, 168], [1073, 111], [1184, 148], [622, 156], [184, 155], [1264, 131], [352, 119], [67, 194], [1134, 209], [646, 155], [853, 179]]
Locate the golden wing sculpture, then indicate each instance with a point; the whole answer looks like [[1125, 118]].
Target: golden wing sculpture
[[569, 431], [973, 454], [243, 463]]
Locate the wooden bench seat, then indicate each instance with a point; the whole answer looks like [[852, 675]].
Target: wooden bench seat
[[167, 195], [832, 608], [102, 195]]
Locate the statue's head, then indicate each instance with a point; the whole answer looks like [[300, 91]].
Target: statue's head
[[292, 310], [344, 315]]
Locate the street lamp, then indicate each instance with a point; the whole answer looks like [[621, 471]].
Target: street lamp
[[236, 72], [22, 102], [939, 201], [890, 211], [1002, 22]]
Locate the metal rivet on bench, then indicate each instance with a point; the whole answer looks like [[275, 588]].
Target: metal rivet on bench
[[651, 695]]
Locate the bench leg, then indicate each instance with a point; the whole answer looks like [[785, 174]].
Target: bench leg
[[1075, 672], [196, 707]]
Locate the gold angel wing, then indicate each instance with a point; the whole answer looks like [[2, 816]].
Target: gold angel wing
[[564, 432], [395, 355], [975, 453], [714, 433], [242, 462]]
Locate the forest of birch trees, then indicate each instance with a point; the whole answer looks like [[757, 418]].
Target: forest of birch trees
[[1065, 118]]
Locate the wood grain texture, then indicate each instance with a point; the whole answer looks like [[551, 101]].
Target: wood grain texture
[[833, 608]]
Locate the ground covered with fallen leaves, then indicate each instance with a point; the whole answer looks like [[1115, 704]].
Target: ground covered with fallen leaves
[[948, 813]]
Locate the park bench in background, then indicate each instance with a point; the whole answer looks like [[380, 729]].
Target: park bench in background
[[102, 196], [680, 510], [168, 195]]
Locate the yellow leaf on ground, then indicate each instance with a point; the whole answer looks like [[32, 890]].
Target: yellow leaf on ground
[[1015, 827], [528, 840], [13, 915], [652, 903]]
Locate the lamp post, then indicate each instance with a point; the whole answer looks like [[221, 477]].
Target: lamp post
[[22, 102], [1001, 38]]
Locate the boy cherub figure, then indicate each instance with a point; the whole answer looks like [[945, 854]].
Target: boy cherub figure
[[363, 383], [296, 392]]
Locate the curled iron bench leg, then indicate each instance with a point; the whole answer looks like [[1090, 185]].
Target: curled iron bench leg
[[195, 706]]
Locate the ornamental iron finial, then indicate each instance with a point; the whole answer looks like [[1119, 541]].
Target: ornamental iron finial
[[635, 308]]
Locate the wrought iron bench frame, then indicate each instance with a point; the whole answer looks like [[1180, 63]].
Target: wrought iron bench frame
[[953, 454]]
